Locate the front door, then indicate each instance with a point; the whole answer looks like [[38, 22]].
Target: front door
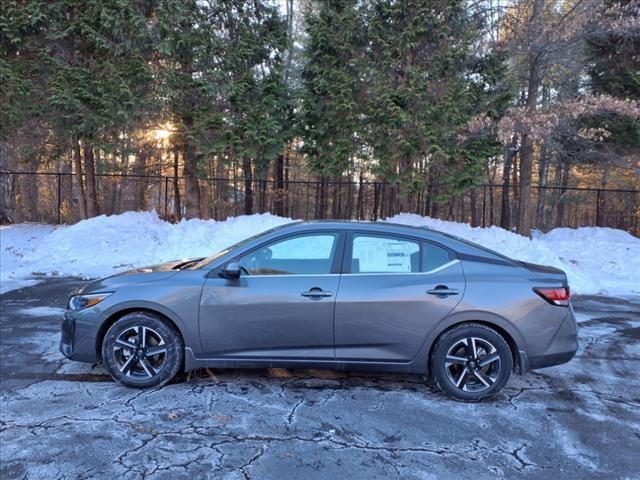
[[282, 304], [397, 290]]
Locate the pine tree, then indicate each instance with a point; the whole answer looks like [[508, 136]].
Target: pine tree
[[614, 69], [220, 64], [419, 92], [331, 103], [85, 67]]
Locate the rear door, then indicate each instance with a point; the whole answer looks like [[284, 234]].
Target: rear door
[[393, 291]]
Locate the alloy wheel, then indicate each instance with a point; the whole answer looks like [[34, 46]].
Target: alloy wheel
[[472, 364], [140, 352]]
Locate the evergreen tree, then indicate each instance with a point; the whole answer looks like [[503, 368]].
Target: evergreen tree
[[331, 99], [79, 67], [420, 93], [220, 65], [614, 69]]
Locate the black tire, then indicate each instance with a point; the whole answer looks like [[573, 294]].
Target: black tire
[[139, 363], [467, 376]]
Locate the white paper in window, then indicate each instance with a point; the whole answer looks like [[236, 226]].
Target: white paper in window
[[378, 254]]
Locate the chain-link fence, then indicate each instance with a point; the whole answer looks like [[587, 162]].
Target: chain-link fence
[[55, 198]]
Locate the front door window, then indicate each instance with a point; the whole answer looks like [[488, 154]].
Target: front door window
[[299, 255]]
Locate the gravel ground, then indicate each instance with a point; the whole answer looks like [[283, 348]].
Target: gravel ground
[[61, 419]]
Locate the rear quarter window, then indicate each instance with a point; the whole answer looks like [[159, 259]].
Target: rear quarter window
[[434, 256]]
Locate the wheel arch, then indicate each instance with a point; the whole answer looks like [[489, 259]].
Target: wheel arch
[[501, 325], [118, 314]]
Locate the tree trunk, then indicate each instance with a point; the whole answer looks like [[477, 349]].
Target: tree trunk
[[247, 173], [177, 208], [473, 204], [287, 159], [67, 186], [543, 174], [491, 202], [526, 151], [321, 194], [564, 183], [524, 188], [142, 180], [602, 200], [543, 169], [376, 201], [505, 213], [278, 204], [81, 200], [192, 186], [360, 198], [7, 187], [90, 167], [7, 184], [30, 194], [335, 198]]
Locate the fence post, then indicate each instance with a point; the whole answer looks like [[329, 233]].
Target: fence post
[[598, 207], [166, 196], [59, 198]]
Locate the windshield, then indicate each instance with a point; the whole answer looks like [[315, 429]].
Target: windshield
[[222, 253]]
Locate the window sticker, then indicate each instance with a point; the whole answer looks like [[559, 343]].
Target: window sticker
[[385, 255]]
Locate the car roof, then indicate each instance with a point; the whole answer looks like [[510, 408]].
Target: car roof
[[460, 245], [360, 225], [370, 226]]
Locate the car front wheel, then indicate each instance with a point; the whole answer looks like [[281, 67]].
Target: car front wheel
[[141, 350], [471, 362]]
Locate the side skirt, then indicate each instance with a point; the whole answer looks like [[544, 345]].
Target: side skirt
[[191, 362]]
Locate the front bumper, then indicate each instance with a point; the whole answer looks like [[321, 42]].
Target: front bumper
[[67, 333], [78, 336]]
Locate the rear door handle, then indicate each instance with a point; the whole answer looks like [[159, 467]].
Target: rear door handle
[[316, 293], [442, 290]]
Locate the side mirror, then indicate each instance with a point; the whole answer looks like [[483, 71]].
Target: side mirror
[[231, 270]]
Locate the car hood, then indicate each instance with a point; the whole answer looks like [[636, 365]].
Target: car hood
[[152, 273]]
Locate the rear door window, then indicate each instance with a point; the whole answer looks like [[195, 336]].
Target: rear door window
[[384, 254]]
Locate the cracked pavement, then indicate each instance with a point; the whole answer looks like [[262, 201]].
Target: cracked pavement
[[61, 419]]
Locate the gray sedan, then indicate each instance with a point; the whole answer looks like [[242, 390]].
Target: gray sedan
[[342, 295]]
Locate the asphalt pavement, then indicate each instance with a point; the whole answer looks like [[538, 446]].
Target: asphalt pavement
[[61, 419]]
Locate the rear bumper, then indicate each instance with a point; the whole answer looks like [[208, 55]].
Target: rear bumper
[[561, 349]]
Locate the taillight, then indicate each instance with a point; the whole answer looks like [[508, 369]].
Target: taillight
[[555, 296]]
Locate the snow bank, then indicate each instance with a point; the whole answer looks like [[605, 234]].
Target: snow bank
[[17, 242], [597, 260], [105, 245]]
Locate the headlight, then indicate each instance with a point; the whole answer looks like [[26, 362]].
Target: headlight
[[78, 302]]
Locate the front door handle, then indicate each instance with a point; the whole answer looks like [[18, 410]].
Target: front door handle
[[442, 291], [316, 293]]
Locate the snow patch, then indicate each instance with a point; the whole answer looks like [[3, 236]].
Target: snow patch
[[16, 243], [42, 311]]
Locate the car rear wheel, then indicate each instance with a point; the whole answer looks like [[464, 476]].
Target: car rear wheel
[[471, 362], [141, 350]]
